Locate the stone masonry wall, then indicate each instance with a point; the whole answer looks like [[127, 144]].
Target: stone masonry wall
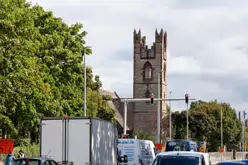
[[144, 112]]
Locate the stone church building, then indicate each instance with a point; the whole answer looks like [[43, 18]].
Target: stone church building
[[148, 63]]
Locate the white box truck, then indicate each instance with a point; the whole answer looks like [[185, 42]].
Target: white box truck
[[79, 141]]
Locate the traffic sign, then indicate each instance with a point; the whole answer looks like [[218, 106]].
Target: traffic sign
[[6, 146], [202, 149], [159, 147]]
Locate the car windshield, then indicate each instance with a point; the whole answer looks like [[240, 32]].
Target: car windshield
[[177, 145], [27, 162], [176, 160]]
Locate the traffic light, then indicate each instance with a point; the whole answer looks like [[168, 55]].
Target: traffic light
[[186, 98], [152, 99], [239, 116], [244, 114], [125, 137]]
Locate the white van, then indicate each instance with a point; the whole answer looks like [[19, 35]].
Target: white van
[[182, 157], [139, 152]]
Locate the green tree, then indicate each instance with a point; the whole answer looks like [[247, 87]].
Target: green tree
[[180, 124], [205, 124], [201, 125], [41, 72], [143, 135], [231, 124]]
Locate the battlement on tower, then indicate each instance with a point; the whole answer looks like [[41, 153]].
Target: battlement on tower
[[142, 49]]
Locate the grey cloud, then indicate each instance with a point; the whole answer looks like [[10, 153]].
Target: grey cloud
[[123, 89], [205, 33], [230, 88], [126, 55], [199, 4], [201, 87]]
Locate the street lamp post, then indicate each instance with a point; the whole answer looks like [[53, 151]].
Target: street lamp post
[[85, 86]]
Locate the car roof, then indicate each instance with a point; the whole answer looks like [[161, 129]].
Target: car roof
[[231, 163], [182, 153], [35, 158], [174, 140]]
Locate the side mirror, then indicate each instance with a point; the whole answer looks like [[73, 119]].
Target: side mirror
[[123, 159]]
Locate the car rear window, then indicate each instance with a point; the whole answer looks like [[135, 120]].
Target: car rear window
[[27, 162], [176, 160]]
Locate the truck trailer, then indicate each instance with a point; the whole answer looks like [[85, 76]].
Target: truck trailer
[[79, 141]]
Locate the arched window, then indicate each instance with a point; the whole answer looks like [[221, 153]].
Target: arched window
[[147, 70]]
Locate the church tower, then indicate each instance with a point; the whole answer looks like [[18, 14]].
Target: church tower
[[147, 64]]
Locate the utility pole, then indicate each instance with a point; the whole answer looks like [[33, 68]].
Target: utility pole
[[242, 143], [170, 114], [243, 134], [221, 130]]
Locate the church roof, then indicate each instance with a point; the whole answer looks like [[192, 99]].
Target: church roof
[[114, 95]]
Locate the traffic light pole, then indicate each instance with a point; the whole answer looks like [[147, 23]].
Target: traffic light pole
[[187, 108], [158, 111], [125, 117], [187, 120], [170, 114]]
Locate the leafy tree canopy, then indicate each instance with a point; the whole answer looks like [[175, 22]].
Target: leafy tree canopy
[[205, 124], [41, 72]]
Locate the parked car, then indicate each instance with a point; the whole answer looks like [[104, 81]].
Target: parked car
[[182, 158], [245, 161], [231, 163], [35, 161]]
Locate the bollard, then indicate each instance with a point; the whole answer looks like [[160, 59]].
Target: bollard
[[234, 154], [246, 156]]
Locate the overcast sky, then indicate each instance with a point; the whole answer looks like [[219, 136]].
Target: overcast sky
[[207, 43]]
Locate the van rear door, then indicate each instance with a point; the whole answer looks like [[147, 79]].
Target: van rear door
[[129, 147]]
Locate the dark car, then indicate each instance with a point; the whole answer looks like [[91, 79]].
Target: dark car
[[35, 161], [231, 163], [245, 161]]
